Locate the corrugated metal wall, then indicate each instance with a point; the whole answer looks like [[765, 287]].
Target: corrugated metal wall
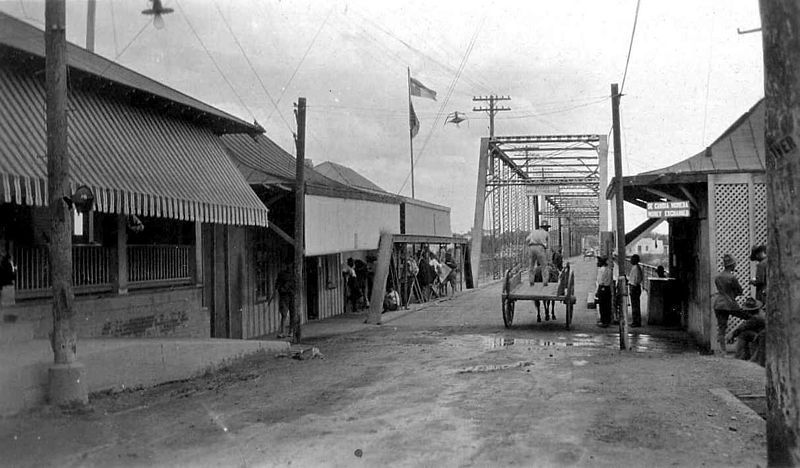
[[330, 286], [260, 318]]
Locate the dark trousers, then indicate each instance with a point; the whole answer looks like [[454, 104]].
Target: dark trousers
[[636, 306], [722, 324], [604, 304]]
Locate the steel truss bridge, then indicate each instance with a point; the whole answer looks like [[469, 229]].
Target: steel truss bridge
[[524, 180]]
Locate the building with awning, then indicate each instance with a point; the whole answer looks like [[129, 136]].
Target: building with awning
[[157, 157], [340, 222], [724, 185], [156, 256], [345, 214]]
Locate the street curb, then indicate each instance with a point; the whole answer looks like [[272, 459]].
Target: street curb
[[730, 399]]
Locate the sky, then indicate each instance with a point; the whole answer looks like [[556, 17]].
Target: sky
[[690, 74]]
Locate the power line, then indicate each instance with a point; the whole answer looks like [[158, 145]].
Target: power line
[[252, 68], [708, 75], [630, 47], [300, 63], [434, 125], [211, 57], [144, 26], [417, 51], [114, 25]]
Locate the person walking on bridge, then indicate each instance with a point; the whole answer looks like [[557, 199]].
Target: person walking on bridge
[[537, 242]]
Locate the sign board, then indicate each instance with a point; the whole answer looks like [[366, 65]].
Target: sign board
[[672, 209], [533, 190]]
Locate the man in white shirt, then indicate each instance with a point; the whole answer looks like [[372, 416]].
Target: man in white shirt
[[537, 242], [635, 285]]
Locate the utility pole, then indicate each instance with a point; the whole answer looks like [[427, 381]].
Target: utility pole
[[67, 377], [780, 22], [622, 280], [492, 110], [299, 222], [91, 10]]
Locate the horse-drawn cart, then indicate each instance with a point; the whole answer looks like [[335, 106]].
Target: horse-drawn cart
[[515, 290]]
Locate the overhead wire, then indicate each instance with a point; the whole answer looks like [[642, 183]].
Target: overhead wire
[[557, 111], [453, 84], [253, 69], [211, 57], [628, 57], [300, 63], [124, 49], [418, 51], [708, 75], [630, 46], [114, 27]]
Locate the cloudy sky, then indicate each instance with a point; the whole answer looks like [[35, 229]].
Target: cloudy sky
[[690, 74]]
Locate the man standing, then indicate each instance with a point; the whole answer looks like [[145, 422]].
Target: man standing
[[558, 259], [284, 287], [537, 242], [635, 282], [603, 293], [725, 305]]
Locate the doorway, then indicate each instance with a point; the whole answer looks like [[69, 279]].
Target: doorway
[[312, 287]]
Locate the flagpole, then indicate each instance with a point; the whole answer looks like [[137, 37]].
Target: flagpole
[[410, 133]]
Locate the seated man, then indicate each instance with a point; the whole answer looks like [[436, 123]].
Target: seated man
[[391, 301], [747, 334]]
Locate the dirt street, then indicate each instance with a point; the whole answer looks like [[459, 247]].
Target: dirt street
[[443, 386]]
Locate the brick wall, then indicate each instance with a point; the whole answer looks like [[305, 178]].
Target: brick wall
[[175, 313]]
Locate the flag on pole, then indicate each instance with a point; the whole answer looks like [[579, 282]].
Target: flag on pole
[[418, 89], [413, 121]]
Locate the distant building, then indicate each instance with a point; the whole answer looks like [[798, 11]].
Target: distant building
[[416, 216], [647, 246]]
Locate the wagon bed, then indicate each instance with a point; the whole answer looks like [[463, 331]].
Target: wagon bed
[[514, 289]]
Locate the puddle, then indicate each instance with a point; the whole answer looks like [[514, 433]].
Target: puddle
[[493, 367], [580, 363], [639, 343]]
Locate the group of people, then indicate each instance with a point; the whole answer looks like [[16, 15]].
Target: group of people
[[435, 278], [358, 279], [605, 290], [749, 335]]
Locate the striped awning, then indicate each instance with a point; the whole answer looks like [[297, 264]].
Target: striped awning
[[136, 160]]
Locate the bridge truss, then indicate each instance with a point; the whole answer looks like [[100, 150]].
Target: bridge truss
[[524, 180]]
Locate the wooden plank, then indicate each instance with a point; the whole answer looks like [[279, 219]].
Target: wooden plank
[[381, 274]]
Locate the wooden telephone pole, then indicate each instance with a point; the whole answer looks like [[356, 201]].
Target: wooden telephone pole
[[622, 281], [66, 376], [492, 110], [780, 23], [299, 223]]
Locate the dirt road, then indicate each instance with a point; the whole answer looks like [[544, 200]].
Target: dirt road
[[443, 386]]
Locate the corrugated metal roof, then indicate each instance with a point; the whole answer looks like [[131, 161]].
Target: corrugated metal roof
[[24, 37], [739, 149], [262, 161], [136, 160], [346, 176]]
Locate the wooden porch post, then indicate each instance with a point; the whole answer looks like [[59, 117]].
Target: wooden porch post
[[197, 266], [121, 281]]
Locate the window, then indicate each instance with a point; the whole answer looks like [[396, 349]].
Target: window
[[261, 263]]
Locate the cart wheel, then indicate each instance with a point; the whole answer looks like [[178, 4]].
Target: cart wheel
[[508, 313], [569, 314]]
